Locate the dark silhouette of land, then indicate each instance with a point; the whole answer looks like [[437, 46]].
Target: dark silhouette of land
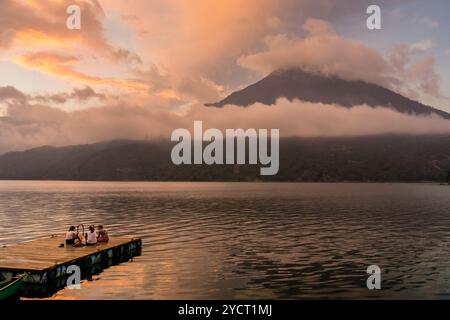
[[377, 158]]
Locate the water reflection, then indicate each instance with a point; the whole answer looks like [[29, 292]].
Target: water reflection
[[248, 240]]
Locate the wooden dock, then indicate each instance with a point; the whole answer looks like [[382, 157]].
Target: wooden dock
[[46, 262]]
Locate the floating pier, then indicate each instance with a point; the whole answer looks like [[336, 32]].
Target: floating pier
[[46, 262]]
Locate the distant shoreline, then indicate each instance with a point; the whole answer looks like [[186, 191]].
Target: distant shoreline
[[234, 181], [381, 159]]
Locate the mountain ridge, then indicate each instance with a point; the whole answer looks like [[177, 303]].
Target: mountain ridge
[[383, 158], [294, 83]]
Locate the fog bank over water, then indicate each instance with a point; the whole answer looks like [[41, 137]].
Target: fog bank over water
[[32, 126]]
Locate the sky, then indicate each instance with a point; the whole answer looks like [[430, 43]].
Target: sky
[[140, 68]]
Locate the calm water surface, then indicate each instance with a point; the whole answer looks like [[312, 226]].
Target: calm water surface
[[248, 240]]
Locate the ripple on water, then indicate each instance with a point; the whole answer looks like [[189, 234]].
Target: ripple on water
[[248, 240]]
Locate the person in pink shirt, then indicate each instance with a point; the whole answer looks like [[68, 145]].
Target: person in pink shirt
[[102, 234]]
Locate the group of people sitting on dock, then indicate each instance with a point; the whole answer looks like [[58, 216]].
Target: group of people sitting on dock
[[92, 237]]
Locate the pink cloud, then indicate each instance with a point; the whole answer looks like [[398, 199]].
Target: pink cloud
[[325, 52], [31, 125], [322, 50]]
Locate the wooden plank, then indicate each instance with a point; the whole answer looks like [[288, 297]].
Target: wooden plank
[[45, 253]]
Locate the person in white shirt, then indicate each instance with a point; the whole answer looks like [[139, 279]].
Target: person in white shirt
[[71, 235], [91, 237]]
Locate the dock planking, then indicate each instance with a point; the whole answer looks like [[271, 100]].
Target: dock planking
[[46, 262]]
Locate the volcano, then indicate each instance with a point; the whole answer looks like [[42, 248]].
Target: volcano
[[295, 83]]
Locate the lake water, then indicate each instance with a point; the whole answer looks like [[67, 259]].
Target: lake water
[[248, 240]]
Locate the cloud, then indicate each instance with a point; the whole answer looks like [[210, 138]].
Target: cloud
[[127, 55], [204, 38], [430, 23], [183, 87], [416, 69], [10, 96], [63, 66], [316, 27], [34, 35], [79, 95], [196, 43], [305, 119], [201, 89], [29, 125], [400, 57], [423, 71], [322, 50], [42, 23], [11, 93], [421, 46]]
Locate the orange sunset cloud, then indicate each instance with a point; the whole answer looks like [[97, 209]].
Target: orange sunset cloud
[[62, 66]]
